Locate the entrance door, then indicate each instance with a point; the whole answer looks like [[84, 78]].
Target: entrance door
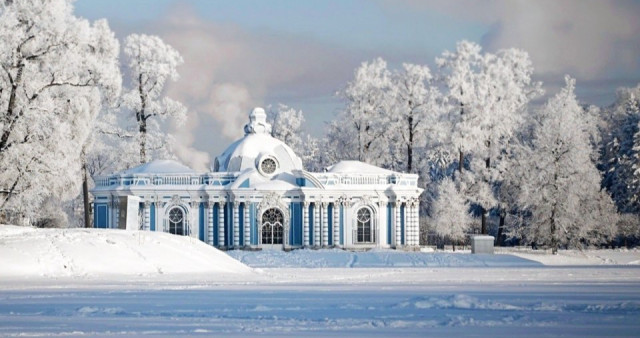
[[272, 235]]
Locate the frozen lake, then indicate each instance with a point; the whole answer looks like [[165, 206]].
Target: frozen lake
[[355, 302]]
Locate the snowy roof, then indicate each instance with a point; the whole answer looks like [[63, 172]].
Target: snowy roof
[[257, 143], [159, 167], [357, 167]]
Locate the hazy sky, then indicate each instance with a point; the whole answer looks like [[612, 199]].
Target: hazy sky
[[240, 54]]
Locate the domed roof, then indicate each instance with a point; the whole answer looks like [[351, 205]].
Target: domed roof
[[258, 150], [159, 167]]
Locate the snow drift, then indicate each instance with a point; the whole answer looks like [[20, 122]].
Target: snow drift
[[30, 252]]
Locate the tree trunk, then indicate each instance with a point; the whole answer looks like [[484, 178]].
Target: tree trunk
[[10, 116], [410, 146], [143, 141], [85, 196], [461, 161], [500, 242], [484, 222]]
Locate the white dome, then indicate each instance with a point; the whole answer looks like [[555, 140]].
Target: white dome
[[255, 147]]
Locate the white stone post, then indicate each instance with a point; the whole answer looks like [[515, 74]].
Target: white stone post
[[236, 224], [305, 222], [325, 224], [336, 224], [247, 224], [210, 223], [221, 225], [316, 224]]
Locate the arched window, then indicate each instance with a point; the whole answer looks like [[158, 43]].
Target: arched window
[[176, 221], [272, 228], [364, 234]]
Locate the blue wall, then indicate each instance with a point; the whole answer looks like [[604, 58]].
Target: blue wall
[[201, 222], [389, 222], [402, 225], [216, 226], [101, 215], [152, 213], [295, 222], [311, 225]]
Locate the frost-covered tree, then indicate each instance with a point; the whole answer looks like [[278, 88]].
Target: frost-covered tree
[[56, 71], [359, 131], [489, 94], [151, 63], [286, 125], [415, 112], [620, 136], [450, 213], [560, 182], [619, 158]]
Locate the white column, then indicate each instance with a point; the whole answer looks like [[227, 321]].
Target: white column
[[236, 224], [336, 224], [247, 224], [316, 223], [221, 207], [146, 218], [416, 220], [115, 221], [210, 222], [325, 224], [305, 222], [398, 226]]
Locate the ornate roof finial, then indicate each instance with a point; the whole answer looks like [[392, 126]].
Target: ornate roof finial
[[257, 122]]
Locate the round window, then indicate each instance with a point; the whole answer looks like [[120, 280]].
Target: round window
[[268, 166], [175, 215]]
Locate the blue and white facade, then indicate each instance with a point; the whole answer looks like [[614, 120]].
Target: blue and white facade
[[259, 196]]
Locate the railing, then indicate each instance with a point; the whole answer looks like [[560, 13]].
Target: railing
[[367, 179], [222, 179], [165, 179]]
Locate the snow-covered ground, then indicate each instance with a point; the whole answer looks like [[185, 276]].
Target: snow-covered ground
[[112, 286], [30, 253]]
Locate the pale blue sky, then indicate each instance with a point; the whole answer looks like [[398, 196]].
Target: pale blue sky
[[242, 53]]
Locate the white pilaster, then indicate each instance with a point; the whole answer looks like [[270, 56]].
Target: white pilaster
[[210, 222], [221, 225], [247, 224], [416, 224], [316, 224], [236, 224], [325, 224], [398, 225], [147, 216], [305, 222], [115, 220], [336, 224]]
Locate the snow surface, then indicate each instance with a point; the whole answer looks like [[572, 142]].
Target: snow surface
[[336, 258], [357, 167], [95, 253], [578, 257], [111, 286]]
